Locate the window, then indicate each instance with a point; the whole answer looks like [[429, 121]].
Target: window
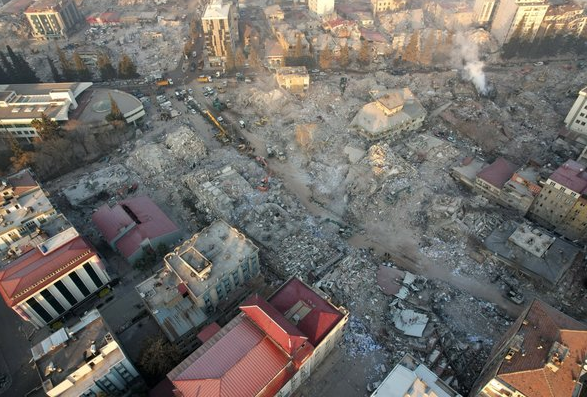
[[93, 275], [220, 291], [79, 283], [227, 286], [40, 310], [52, 301]]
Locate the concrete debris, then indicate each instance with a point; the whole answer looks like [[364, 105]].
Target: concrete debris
[[410, 322]]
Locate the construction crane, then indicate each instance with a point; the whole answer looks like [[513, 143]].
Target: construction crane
[[222, 134]]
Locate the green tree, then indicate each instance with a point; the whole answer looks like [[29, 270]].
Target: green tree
[[344, 58], [46, 128], [81, 69], [157, 358], [115, 113], [364, 57], [54, 72], [107, 71], [229, 63], [411, 53], [126, 68], [66, 67], [325, 60], [24, 72], [239, 58]]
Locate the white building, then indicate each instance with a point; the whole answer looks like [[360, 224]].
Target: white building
[[576, 120], [52, 277], [321, 7], [84, 360], [510, 13], [220, 27]]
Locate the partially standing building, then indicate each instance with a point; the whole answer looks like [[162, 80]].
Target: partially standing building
[[523, 17], [53, 19], [576, 120], [220, 27], [294, 79]]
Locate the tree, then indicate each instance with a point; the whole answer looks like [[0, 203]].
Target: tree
[[107, 71], [81, 69], [54, 72], [126, 68], [239, 58], [115, 113], [411, 53], [229, 63], [364, 57], [46, 128], [325, 60], [344, 58], [194, 29], [23, 71], [298, 50], [254, 60], [66, 67], [158, 357], [429, 47], [20, 159]]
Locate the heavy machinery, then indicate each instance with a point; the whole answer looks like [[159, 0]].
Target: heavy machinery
[[222, 135], [262, 121], [220, 106]]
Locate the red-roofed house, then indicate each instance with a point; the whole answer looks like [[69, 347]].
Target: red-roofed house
[[52, 278], [491, 179], [269, 349], [133, 225], [542, 355]]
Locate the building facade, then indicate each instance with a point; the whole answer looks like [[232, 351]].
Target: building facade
[[53, 19], [52, 277], [484, 11], [576, 120], [220, 26], [84, 360], [511, 13], [379, 6], [321, 7], [293, 79]]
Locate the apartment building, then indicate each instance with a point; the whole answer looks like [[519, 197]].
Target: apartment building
[[491, 179], [53, 19], [84, 360], [51, 277], [576, 120], [220, 26], [379, 6], [484, 11], [511, 13], [294, 79], [206, 276], [560, 198], [392, 113], [321, 7], [542, 354], [269, 349], [289, 38]]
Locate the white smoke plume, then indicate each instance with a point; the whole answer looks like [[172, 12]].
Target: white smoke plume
[[466, 56]]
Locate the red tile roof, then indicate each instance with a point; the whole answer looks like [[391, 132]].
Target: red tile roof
[[150, 221], [319, 321], [33, 271], [571, 175], [540, 326], [22, 182], [498, 173], [274, 324]]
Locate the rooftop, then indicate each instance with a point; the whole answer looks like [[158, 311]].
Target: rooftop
[[289, 70], [135, 219], [497, 173], [217, 9], [59, 356], [571, 175], [540, 353], [216, 250], [176, 313], [45, 5], [34, 270], [412, 379], [98, 106]]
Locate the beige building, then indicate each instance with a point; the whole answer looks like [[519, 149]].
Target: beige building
[[484, 11], [391, 113], [321, 7], [294, 79], [510, 13], [288, 38], [53, 19], [84, 360], [220, 26], [576, 120], [380, 6]]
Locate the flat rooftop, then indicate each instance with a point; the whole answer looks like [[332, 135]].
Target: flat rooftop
[[64, 352], [220, 244], [292, 70], [98, 107], [216, 10], [23, 209], [164, 295]]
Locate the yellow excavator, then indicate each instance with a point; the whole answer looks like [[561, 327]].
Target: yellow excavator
[[222, 135]]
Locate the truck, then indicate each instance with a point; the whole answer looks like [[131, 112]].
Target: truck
[[203, 79], [162, 83]]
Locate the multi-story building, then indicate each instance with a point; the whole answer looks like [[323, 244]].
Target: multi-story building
[[521, 189], [321, 7], [84, 360], [558, 197], [205, 277], [53, 19], [391, 113], [24, 207], [484, 11], [267, 350], [491, 179], [453, 15], [576, 120], [379, 6], [220, 26], [52, 277], [410, 378], [511, 13], [274, 13], [294, 79], [542, 354], [134, 226], [20, 104], [291, 40], [564, 19]]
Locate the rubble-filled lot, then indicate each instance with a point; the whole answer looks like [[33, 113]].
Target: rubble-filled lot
[[338, 209]]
